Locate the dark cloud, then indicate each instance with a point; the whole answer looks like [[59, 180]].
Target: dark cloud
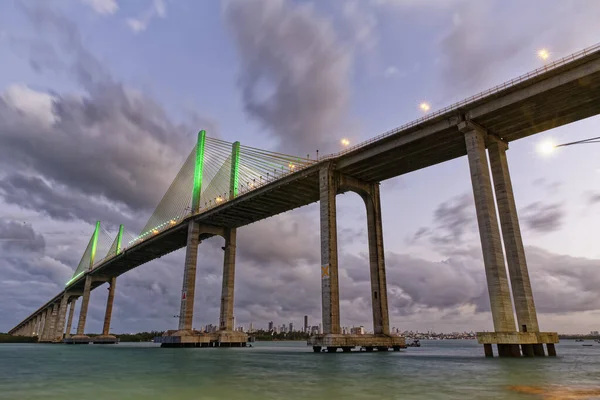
[[58, 201], [593, 198], [294, 72], [453, 221], [17, 236], [542, 217]]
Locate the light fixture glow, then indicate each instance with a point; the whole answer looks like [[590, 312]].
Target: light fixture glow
[[345, 142], [424, 107], [546, 148], [219, 199], [544, 54]]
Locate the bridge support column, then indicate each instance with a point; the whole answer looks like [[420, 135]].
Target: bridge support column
[[491, 245], [506, 336], [51, 314], [70, 320], [330, 292], [60, 321], [513, 245], [106, 337], [381, 322], [80, 337], [186, 313], [226, 317]]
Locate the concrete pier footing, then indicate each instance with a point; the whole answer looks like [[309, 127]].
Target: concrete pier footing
[[333, 342], [515, 344], [191, 338]]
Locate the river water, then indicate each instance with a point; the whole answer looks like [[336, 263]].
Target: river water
[[452, 369]]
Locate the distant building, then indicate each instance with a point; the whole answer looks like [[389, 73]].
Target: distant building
[[306, 324], [357, 330], [251, 328], [594, 333], [291, 327], [271, 326]]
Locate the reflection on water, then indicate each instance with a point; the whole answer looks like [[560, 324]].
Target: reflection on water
[[437, 370]]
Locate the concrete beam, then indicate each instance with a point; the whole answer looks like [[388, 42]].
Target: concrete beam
[[487, 219]]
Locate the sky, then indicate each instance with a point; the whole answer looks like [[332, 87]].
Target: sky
[[101, 100]]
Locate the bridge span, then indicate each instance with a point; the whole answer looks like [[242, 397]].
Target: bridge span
[[480, 127]]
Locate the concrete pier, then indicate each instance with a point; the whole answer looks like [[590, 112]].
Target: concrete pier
[[70, 320], [226, 314], [60, 322], [51, 313], [330, 292], [330, 184], [80, 337], [186, 313], [509, 341], [106, 337]]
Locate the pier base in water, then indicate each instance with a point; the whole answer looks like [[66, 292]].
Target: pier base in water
[[515, 344], [333, 342]]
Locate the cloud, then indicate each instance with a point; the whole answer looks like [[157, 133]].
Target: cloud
[[543, 218], [294, 72], [103, 7], [454, 221], [139, 24], [593, 198], [15, 236], [109, 151], [362, 21]]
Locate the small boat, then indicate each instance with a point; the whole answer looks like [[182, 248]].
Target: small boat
[[415, 343], [587, 345], [597, 340], [579, 340]]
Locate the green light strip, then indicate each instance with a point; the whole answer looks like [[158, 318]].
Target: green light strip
[[94, 244], [74, 278], [119, 238], [198, 171], [235, 169]]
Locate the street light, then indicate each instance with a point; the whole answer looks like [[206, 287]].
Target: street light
[[544, 54], [424, 106]]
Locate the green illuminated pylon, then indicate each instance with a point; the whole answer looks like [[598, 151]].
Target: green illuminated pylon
[[198, 169], [94, 244], [235, 170], [119, 239]]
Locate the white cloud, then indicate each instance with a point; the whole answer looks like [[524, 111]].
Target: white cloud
[[34, 105], [104, 7], [139, 24]]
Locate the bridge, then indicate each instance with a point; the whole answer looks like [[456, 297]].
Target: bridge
[[223, 186]]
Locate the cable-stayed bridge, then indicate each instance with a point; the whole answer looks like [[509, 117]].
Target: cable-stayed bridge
[[223, 186]]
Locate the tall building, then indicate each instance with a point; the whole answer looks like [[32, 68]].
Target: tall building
[[251, 328], [306, 324], [270, 326], [291, 327]]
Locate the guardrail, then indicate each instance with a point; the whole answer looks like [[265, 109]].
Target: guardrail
[[536, 72]]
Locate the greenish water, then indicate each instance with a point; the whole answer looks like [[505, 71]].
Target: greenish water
[[289, 370]]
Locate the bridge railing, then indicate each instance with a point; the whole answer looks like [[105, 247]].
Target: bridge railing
[[478, 96]]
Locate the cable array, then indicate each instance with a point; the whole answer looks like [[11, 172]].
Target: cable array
[[175, 204], [84, 263], [228, 169]]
